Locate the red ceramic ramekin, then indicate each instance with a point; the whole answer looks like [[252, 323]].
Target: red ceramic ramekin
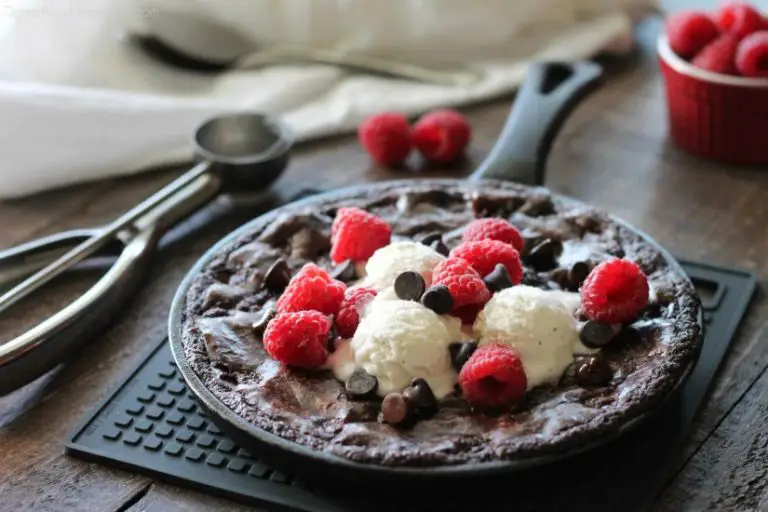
[[719, 117]]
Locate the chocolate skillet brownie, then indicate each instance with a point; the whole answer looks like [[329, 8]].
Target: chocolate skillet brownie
[[228, 302]]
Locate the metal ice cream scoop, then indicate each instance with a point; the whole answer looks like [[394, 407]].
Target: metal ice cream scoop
[[236, 152]]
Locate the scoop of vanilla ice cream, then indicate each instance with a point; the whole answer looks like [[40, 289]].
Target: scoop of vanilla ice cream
[[537, 324], [390, 261], [572, 301], [397, 341]]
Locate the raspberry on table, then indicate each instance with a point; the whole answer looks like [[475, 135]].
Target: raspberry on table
[[752, 55], [615, 292], [441, 136], [689, 32], [464, 283], [719, 56], [386, 137], [312, 289], [298, 339], [357, 234], [739, 18], [494, 229], [484, 255], [348, 317], [493, 377]]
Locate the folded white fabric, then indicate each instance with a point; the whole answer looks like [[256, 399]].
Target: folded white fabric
[[79, 103]]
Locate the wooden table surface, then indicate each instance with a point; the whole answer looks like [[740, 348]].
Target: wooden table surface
[[613, 152]]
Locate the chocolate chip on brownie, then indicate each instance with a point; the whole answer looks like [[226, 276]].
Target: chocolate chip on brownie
[[421, 395], [439, 247], [543, 256], [361, 384], [409, 286], [396, 409], [278, 276], [438, 299], [345, 272], [431, 238], [260, 325], [577, 274], [498, 279], [594, 334], [461, 352]]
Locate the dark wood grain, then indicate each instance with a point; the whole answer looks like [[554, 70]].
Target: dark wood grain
[[613, 152]]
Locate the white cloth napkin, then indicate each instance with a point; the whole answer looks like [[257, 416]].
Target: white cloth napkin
[[79, 103]]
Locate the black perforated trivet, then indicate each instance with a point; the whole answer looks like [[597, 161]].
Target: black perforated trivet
[[152, 425]]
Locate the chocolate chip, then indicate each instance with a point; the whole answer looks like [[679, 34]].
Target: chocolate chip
[[409, 286], [345, 272], [438, 299], [421, 395], [594, 334], [278, 276], [431, 238], [498, 279], [261, 324], [461, 352], [439, 247], [361, 384], [331, 341], [544, 255], [578, 273], [594, 372], [396, 409]]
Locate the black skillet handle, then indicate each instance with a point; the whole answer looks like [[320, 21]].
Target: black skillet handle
[[549, 93]]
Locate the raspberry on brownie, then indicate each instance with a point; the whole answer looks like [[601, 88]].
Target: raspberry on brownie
[[312, 289], [493, 377], [492, 228], [463, 282], [356, 234], [484, 255]]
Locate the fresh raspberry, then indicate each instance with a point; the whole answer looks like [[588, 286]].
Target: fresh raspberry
[[493, 377], [386, 137], [719, 56], [298, 339], [752, 55], [690, 31], [484, 255], [616, 291], [357, 234], [739, 18], [494, 229], [464, 283], [442, 135], [348, 317], [312, 289]]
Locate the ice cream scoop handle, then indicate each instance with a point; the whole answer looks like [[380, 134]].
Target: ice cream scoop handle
[[549, 93]]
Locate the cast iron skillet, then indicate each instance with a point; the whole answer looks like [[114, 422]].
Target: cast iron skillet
[[550, 92]]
